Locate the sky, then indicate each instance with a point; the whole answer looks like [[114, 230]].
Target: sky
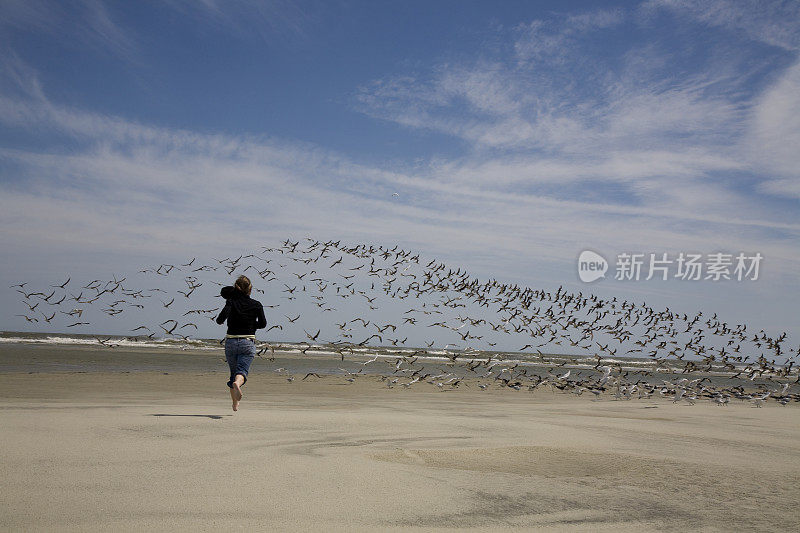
[[501, 137]]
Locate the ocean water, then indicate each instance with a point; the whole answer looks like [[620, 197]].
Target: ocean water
[[48, 352]]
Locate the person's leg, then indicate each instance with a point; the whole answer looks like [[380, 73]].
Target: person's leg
[[243, 361], [232, 357], [236, 392]]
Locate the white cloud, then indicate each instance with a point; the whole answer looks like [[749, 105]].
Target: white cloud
[[772, 22], [691, 143], [578, 108], [156, 182], [553, 40], [774, 136], [160, 183]]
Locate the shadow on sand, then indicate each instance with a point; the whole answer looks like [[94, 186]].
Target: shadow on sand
[[213, 417]]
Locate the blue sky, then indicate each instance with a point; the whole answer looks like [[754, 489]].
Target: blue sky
[[516, 134]]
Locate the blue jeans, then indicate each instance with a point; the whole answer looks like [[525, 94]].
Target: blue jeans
[[239, 353]]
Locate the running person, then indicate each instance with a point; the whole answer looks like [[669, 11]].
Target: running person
[[244, 316]]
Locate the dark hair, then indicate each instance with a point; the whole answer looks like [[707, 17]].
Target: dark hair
[[243, 285]]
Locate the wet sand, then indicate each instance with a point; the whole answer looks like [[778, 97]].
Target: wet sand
[[128, 451]]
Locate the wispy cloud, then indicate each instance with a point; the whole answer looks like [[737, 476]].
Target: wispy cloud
[[774, 135], [772, 22], [554, 41], [637, 120], [771, 131], [96, 25], [139, 185], [88, 22], [272, 21]]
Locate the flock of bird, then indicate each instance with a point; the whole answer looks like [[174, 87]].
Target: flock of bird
[[339, 294]]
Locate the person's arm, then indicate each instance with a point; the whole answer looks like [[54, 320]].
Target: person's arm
[[224, 313], [261, 320]]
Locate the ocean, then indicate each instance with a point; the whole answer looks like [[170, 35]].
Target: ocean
[[24, 352]]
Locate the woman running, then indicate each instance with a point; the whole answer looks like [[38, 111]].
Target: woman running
[[244, 316]]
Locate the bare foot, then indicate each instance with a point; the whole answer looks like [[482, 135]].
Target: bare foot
[[236, 395], [234, 399]]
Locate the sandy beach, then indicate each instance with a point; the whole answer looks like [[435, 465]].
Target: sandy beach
[[516, 266], [131, 450]]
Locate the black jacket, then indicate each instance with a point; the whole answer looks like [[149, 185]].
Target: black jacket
[[244, 314]]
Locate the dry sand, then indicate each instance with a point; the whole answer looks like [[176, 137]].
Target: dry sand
[[111, 451]]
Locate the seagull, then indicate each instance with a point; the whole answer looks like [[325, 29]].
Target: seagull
[[722, 400], [678, 395], [407, 385], [370, 361], [758, 401]]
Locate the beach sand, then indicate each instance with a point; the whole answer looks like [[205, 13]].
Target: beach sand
[[105, 451]]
